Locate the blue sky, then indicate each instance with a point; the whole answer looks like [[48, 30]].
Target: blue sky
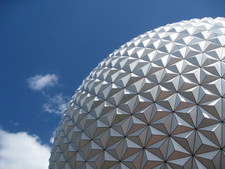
[[47, 47]]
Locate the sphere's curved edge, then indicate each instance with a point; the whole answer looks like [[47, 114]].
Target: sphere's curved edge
[[160, 27]]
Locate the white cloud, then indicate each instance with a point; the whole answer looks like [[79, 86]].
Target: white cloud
[[40, 82], [53, 137], [22, 151], [56, 104], [14, 123]]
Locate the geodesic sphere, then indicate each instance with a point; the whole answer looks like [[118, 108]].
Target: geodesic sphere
[[156, 102]]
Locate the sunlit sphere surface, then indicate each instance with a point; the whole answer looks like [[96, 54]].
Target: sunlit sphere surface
[[156, 102]]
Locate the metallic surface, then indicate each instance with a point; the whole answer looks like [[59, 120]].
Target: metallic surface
[[156, 102]]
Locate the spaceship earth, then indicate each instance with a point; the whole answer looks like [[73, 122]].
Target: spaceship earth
[[156, 102]]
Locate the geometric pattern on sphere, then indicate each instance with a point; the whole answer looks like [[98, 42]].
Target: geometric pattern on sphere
[[156, 102]]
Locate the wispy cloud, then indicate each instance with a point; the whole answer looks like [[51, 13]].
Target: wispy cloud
[[21, 150], [39, 82], [53, 137], [14, 123], [56, 104]]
